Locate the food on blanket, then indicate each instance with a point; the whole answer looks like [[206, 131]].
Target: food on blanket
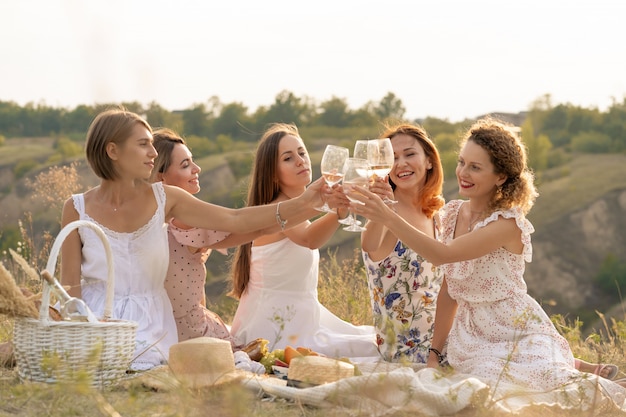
[[275, 357], [316, 370], [203, 361], [256, 349], [291, 353], [278, 362], [306, 351]]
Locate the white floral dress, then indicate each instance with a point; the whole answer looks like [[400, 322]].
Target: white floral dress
[[403, 293], [500, 333]]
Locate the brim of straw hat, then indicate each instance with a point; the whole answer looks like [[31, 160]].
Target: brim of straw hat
[[204, 361]]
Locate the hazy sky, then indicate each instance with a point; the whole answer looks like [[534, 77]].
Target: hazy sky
[[447, 59]]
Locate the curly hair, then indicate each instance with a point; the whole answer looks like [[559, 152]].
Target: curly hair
[[430, 197], [508, 155]]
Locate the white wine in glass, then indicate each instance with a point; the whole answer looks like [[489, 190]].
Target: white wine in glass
[[333, 160], [355, 175], [381, 160]]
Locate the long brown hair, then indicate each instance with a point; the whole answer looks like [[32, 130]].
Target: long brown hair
[[429, 197], [262, 189]]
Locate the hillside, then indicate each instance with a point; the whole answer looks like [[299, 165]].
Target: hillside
[[579, 219]]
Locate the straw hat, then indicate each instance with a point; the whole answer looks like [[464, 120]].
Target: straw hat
[[204, 361], [316, 370]]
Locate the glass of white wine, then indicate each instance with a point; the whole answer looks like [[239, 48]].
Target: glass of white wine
[[381, 159], [355, 175], [333, 160], [360, 152]]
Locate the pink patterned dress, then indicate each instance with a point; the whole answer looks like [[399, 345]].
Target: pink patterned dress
[[500, 333], [185, 281]]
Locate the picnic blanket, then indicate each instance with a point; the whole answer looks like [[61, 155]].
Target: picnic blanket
[[385, 389]]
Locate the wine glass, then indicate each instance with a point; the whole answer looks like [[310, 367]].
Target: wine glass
[[333, 159], [360, 152], [381, 159], [360, 149], [355, 175]]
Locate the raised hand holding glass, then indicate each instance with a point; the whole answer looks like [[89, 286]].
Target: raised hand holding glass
[[381, 160], [355, 175], [333, 160]]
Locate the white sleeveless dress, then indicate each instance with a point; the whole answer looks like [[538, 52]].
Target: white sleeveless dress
[[141, 259], [280, 304]]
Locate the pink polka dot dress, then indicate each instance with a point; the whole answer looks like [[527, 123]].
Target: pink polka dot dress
[[185, 281]]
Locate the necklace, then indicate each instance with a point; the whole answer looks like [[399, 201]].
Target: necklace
[[478, 216]]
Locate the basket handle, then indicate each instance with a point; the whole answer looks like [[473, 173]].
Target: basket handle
[[52, 261]]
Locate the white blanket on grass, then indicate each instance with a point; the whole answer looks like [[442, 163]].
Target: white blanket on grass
[[383, 391]]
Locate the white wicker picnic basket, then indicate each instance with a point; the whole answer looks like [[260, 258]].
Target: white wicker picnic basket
[[53, 351]]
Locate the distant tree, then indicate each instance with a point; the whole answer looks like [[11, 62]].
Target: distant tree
[[334, 112], [612, 275], [390, 107], [23, 166], [614, 125], [365, 116], [446, 142], [201, 146], [78, 119], [591, 142], [436, 127], [223, 142], [158, 116], [287, 108], [232, 120], [134, 106], [538, 146], [9, 123], [66, 148], [196, 120], [555, 125]]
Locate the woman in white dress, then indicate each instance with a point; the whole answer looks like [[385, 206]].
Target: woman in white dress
[[134, 214], [275, 277], [499, 334]]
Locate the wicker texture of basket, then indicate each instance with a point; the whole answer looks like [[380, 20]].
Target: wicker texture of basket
[[52, 351]]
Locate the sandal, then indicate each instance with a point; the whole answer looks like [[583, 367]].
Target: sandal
[[608, 368]]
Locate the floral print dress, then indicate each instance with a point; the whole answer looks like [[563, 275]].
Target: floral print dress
[[403, 293]]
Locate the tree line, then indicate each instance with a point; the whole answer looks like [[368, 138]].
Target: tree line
[[563, 125]]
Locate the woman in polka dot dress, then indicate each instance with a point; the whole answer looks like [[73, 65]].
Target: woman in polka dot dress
[[190, 247]]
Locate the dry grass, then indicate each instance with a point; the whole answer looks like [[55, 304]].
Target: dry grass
[[132, 398]]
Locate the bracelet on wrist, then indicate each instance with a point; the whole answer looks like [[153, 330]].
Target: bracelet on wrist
[[440, 357], [279, 219]]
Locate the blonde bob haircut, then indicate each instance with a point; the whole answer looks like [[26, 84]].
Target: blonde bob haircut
[[114, 125]]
